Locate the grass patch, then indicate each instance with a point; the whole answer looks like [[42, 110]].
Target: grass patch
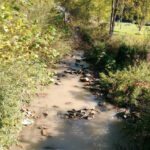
[[129, 33], [130, 29]]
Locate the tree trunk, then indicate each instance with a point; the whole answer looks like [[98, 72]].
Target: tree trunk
[[113, 16]]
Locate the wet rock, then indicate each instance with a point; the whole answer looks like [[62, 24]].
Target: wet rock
[[84, 79], [44, 132], [88, 75], [45, 114], [93, 112], [79, 71], [78, 60], [96, 80], [58, 83], [86, 114], [121, 115], [68, 71], [27, 122]]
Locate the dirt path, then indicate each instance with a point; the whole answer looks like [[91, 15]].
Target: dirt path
[[51, 131]]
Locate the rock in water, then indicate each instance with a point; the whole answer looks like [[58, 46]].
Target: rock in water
[[85, 79], [45, 114], [27, 122], [87, 114]]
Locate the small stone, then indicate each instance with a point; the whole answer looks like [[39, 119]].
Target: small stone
[[55, 106], [97, 80], [88, 117], [93, 112], [52, 80], [45, 114], [85, 79], [68, 71], [57, 83], [27, 122], [88, 75], [44, 132], [66, 117]]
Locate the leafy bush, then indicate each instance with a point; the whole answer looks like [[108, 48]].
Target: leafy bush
[[100, 57], [128, 85]]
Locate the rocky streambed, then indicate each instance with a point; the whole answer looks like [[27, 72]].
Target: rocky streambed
[[70, 114]]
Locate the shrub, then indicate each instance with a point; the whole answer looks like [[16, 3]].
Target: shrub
[[127, 85], [129, 55], [100, 57], [130, 88], [19, 79]]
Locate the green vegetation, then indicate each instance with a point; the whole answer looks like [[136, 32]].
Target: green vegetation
[[34, 36], [121, 29], [27, 48]]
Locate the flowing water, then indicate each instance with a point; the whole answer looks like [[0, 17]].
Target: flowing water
[[104, 132]]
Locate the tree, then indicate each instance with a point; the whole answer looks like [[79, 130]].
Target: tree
[[114, 9], [142, 12]]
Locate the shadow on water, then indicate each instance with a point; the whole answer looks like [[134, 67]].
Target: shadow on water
[[100, 133], [82, 95], [78, 135]]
